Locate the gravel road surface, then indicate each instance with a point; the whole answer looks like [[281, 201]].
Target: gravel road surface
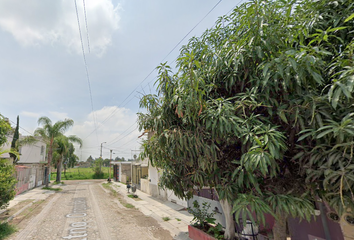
[[84, 210]]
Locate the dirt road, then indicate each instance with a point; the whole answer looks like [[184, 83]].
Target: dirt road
[[84, 210]]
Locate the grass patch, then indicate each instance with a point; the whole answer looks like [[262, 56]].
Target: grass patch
[[109, 187], [52, 189], [178, 219], [113, 192], [128, 205], [6, 230], [166, 219], [81, 174], [133, 196], [55, 183]]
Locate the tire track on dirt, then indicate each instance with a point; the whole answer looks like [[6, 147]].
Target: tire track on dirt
[[23, 234], [66, 226], [103, 230]]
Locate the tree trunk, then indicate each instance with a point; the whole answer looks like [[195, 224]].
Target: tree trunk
[[47, 177], [50, 153], [58, 171], [279, 228], [58, 179], [60, 166], [230, 223]]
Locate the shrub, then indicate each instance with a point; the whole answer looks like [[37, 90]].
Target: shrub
[[7, 183], [201, 215]]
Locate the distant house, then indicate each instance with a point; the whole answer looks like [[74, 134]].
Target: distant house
[[30, 168], [122, 171]]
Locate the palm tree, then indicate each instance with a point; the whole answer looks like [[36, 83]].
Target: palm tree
[[65, 149], [48, 133]]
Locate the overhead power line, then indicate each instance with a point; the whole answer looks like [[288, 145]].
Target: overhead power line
[[123, 136], [87, 32], [177, 57], [120, 136], [114, 111], [191, 30], [86, 68]]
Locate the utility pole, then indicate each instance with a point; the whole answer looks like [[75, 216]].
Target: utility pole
[[101, 149], [101, 157], [109, 169]]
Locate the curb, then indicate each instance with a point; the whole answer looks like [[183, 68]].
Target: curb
[[20, 211]]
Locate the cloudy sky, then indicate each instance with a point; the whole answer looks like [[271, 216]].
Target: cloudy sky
[[43, 72]]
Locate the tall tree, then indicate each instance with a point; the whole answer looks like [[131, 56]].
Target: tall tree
[[65, 150], [261, 100], [7, 171], [106, 162], [49, 132], [5, 128], [7, 182], [14, 143], [90, 159]]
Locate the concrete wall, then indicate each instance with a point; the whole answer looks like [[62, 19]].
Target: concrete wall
[[144, 186], [29, 176], [153, 175], [33, 153], [154, 191], [173, 198], [125, 169], [135, 177], [123, 178]]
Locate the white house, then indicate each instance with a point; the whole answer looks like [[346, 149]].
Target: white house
[[30, 167]]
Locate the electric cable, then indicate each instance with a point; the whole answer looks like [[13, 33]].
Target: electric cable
[[86, 68], [87, 32], [191, 30], [155, 68], [139, 85]]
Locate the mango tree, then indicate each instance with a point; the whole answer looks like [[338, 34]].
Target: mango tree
[[255, 109]]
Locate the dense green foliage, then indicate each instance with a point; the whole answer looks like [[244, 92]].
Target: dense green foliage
[[97, 168], [201, 215], [64, 153], [5, 128], [6, 230], [7, 182], [261, 109], [14, 143], [7, 171], [81, 174]]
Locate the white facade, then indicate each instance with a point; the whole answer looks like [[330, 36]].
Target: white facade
[[156, 191], [33, 153]]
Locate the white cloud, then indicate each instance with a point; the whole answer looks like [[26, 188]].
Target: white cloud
[[39, 22], [30, 114], [58, 116], [115, 126]]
